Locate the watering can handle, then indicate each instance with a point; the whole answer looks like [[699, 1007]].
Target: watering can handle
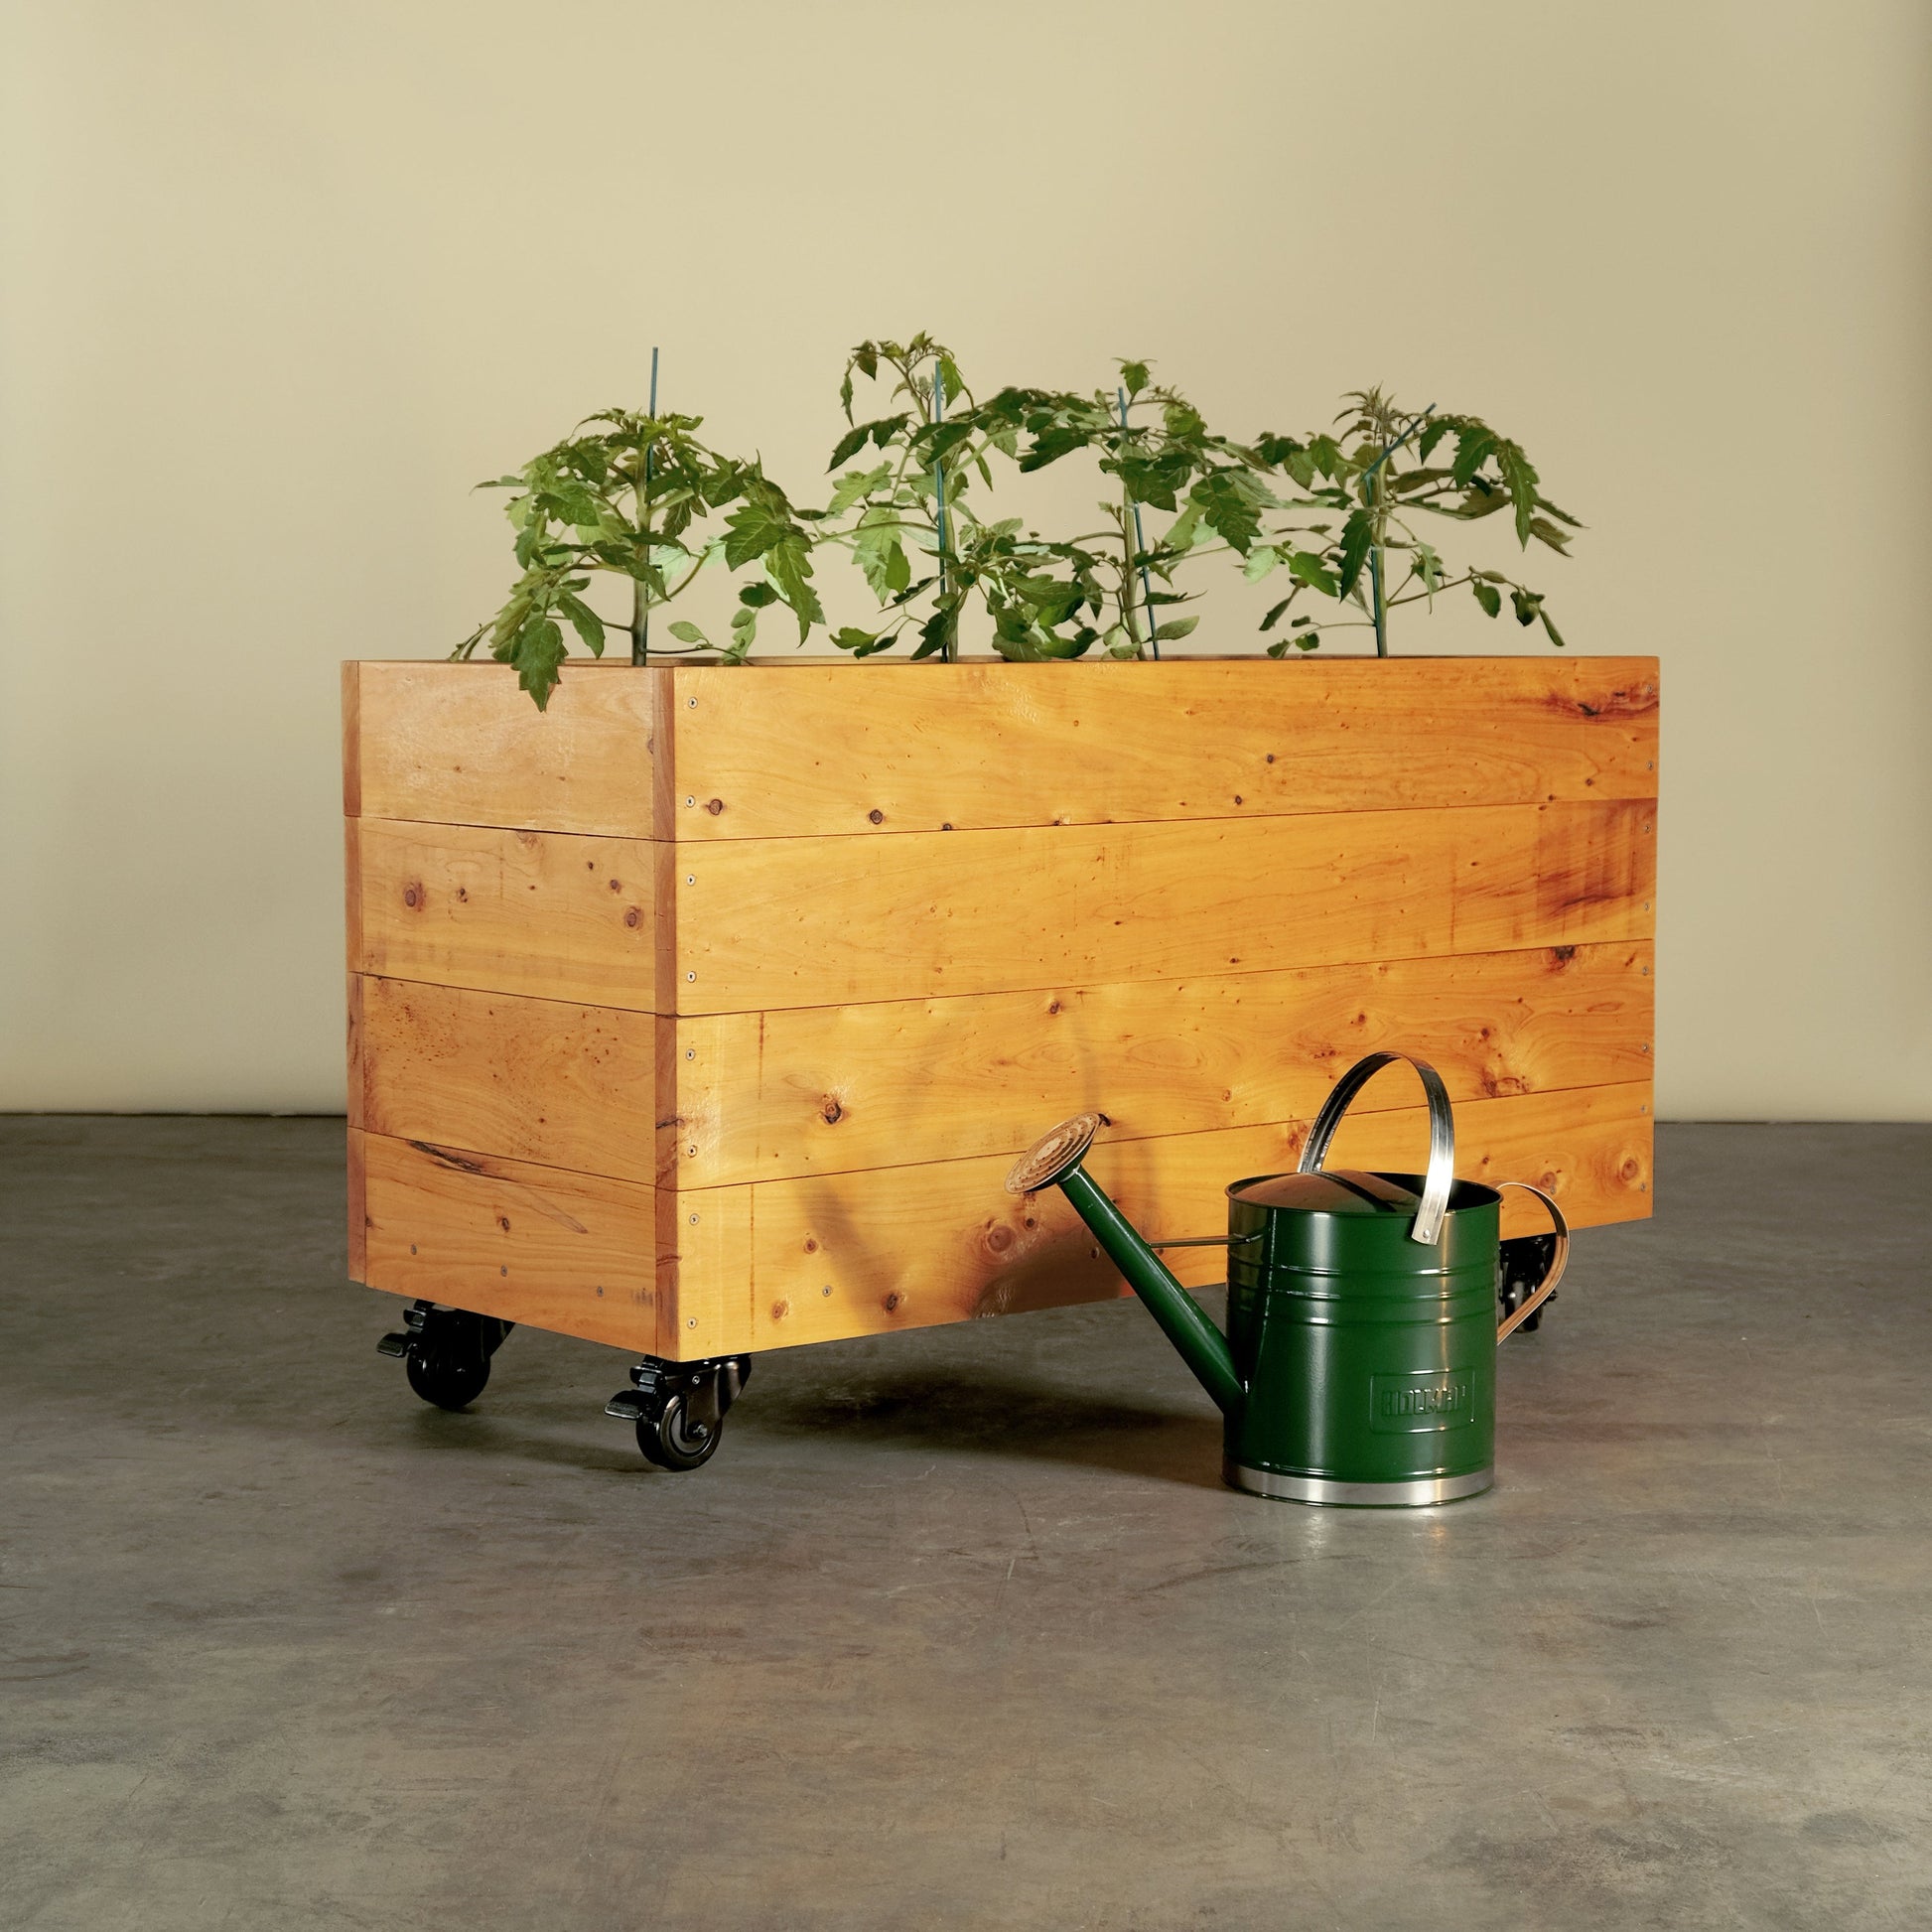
[[1427, 1225], [1558, 1262]]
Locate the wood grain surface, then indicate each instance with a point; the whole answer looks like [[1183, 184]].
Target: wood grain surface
[[915, 1246], [795, 749], [839, 1089], [543, 913], [769, 924]]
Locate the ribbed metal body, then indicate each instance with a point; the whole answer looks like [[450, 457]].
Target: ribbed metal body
[[1369, 1359]]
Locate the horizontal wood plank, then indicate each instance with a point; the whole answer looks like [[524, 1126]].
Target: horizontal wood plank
[[543, 913], [461, 743], [869, 1253], [569, 1252], [773, 924], [543, 1080], [840, 1089], [783, 751]]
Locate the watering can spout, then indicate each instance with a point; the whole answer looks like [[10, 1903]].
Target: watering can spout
[[1056, 1160]]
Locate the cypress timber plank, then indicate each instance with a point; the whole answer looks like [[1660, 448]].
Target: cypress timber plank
[[917, 1246], [461, 743], [542, 1080], [783, 751], [543, 913], [574, 1253], [841, 1089], [773, 924]]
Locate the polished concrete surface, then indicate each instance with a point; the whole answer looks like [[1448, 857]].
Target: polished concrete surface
[[960, 1628]]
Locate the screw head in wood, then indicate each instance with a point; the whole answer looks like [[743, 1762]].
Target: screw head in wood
[[691, 1322], [826, 1290], [691, 704], [691, 1052], [690, 801], [694, 1220]]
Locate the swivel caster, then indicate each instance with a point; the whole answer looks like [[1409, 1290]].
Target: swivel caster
[[1525, 1262], [446, 1353], [679, 1407]]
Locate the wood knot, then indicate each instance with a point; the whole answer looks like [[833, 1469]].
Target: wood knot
[[633, 918], [890, 1302], [811, 1246], [412, 895], [1053, 1006], [714, 806], [1562, 955], [998, 1239], [831, 1113], [503, 1222], [1237, 798], [877, 816], [1270, 758], [617, 885], [779, 1310]]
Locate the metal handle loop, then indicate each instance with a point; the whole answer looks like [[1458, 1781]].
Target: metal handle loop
[[1427, 1225], [1558, 1261]]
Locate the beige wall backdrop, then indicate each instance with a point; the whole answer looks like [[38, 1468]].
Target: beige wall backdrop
[[283, 281]]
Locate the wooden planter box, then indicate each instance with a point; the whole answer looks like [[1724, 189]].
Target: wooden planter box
[[704, 1013]]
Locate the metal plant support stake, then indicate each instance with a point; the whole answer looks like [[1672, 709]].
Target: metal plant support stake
[[949, 651], [639, 589], [1381, 614], [1140, 544]]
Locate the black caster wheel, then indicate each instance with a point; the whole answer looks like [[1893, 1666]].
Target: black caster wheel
[[445, 1380], [1525, 1262], [674, 1439], [446, 1353], [679, 1407]]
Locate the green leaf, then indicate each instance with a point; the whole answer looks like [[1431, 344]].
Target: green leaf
[[758, 595], [1274, 616], [1134, 376], [1261, 560], [1556, 637], [1527, 604], [852, 440], [1179, 627], [1307, 568], [584, 620], [539, 650], [1520, 481], [1357, 536], [1488, 597], [790, 566], [688, 633]]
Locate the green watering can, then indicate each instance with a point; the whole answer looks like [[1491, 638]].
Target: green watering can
[[1359, 1365]]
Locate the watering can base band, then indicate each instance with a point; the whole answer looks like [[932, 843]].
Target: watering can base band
[[1416, 1494]]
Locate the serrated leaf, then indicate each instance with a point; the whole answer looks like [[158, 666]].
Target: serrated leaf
[[1474, 444], [1520, 480], [1134, 375], [1262, 559], [584, 620], [1309, 569], [1357, 538]]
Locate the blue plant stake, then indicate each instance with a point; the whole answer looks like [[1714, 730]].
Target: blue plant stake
[[1140, 544]]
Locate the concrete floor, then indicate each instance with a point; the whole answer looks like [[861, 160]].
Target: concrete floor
[[960, 1629]]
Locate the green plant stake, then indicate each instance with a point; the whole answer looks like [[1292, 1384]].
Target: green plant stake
[[1139, 546], [639, 601]]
